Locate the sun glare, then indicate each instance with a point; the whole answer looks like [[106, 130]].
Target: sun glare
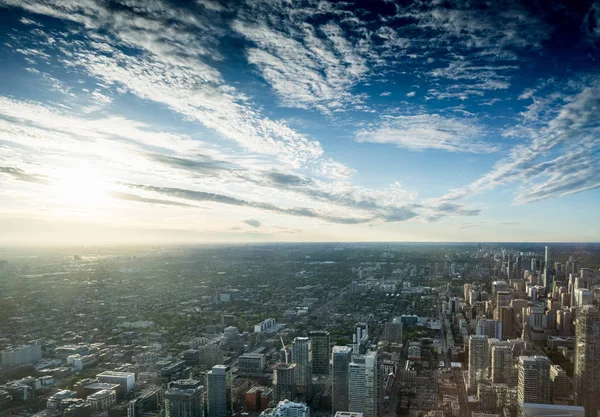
[[81, 186]]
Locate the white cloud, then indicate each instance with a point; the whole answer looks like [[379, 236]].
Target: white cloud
[[561, 158], [411, 94], [427, 131], [308, 67]]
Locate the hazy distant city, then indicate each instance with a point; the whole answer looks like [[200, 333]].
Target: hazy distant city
[[300, 208], [301, 329]]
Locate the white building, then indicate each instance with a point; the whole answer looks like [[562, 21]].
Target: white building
[[125, 379], [363, 384], [264, 325], [21, 355]]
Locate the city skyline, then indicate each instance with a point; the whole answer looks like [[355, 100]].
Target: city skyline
[[262, 121]]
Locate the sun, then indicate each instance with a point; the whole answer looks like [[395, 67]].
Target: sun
[[81, 186]]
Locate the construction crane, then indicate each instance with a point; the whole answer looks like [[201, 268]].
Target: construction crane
[[285, 352]]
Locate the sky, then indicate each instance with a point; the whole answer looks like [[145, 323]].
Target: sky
[[277, 120]]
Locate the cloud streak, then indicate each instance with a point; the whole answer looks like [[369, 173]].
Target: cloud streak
[[427, 131]]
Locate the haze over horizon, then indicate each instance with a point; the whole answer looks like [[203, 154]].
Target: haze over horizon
[[258, 121]]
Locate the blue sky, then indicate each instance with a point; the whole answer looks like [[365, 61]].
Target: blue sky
[[207, 121]]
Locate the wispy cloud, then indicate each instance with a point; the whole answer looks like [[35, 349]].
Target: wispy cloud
[[562, 157], [427, 131], [21, 175]]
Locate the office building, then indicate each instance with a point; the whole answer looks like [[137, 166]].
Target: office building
[[393, 331], [586, 378], [302, 357], [320, 352], [284, 382], [218, 388], [363, 384], [251, 363], [478, 360], [341, 358], [534, 380], [184, 398], [21, 355]]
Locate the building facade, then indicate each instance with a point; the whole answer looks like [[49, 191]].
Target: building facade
[[341, 358], [320, 341], [586, 378], [218, 387]]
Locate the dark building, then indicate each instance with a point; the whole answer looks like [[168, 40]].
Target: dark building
[[320, 351]]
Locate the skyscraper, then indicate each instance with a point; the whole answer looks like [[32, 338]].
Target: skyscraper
[[218, 383], [586, 378], [284, 382], [507, 319], [547, 256], [534, 380], [478, 360], [341, 357], [183, 398], [393, 331], [501, 363], [302, 357], [320, 351], [363, 384]]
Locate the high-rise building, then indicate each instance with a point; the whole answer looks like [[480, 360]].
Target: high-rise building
[[302, 357], [586, 378], [183, 398], [218, 384], [363, 384], [478, 360], [547, 256], [583, 297], [534, 380], [320, 351], [341, 357], [507, 319], [560, 383], [356, 384], [393, 331], [284, 382], [501, 364], [360, 338]]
